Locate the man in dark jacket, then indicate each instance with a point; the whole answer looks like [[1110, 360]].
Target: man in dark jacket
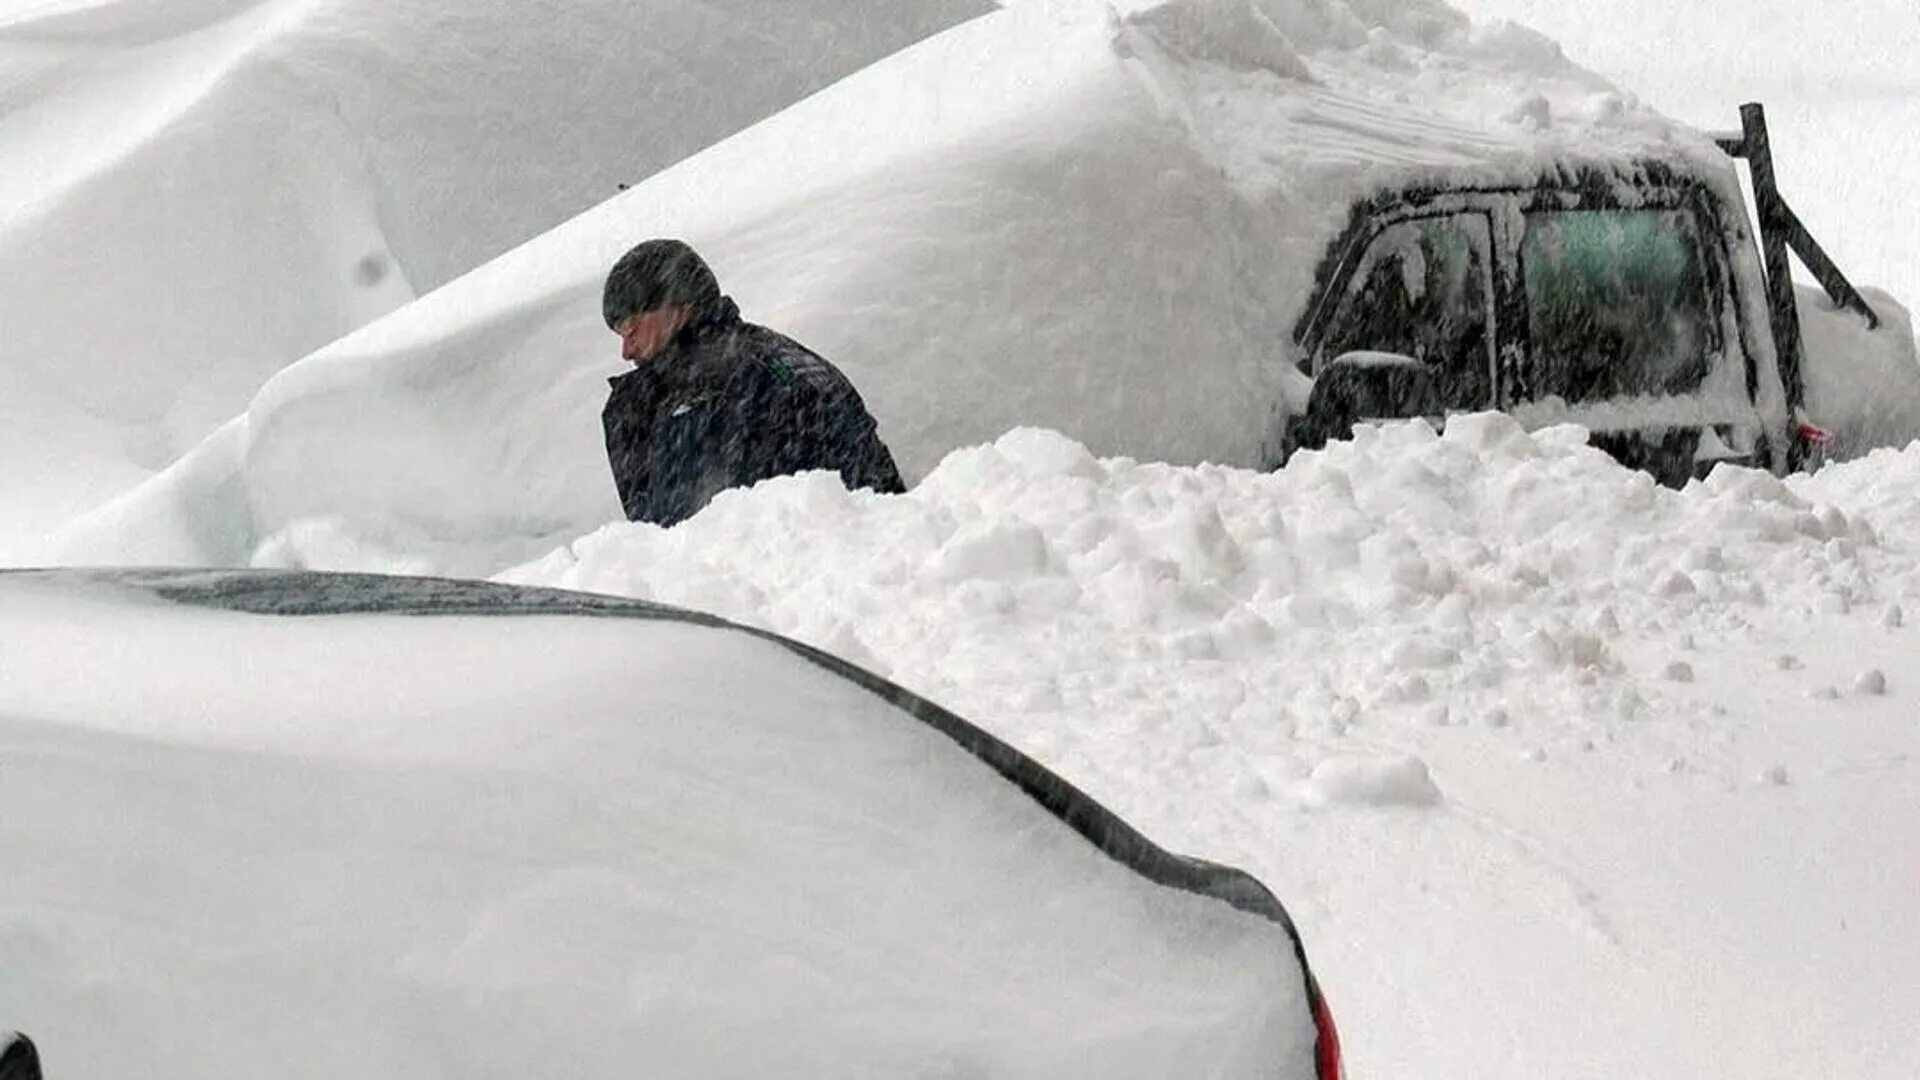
[[716, 402]]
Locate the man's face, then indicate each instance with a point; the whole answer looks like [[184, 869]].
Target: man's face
[[644, 334]]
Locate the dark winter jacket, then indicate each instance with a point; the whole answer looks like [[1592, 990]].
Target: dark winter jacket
[[727, 404]]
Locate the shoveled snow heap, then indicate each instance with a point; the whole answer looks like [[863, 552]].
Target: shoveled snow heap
[[198, 194], [1044, 216], [1560, 771]]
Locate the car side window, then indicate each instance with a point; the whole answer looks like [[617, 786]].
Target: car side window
[[1422, 289], [1617, 303]]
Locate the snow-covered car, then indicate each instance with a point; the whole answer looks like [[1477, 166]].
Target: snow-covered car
[[309, 825], [1630, 298]]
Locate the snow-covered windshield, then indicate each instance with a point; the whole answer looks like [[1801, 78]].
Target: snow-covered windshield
[[1617, 303], [1421, 291]]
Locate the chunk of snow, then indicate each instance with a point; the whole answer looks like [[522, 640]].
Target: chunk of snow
[[1236, 33], [1863, 385], [1357, 781]]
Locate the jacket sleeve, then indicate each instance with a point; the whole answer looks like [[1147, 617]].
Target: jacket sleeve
[[793, 425], [626, 454]]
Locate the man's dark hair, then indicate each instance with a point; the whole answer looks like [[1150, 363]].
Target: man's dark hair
[[657, 274]]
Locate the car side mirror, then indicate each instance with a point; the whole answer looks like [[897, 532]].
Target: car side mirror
[[1365, 385]]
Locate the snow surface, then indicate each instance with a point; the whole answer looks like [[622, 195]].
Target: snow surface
[[1562, 774], [504, 846], [1860, 381], [199, 193]]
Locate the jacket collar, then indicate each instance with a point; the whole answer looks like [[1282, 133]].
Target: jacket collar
[[718, 315]]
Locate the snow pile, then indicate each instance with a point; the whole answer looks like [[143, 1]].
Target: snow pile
[[1513, 731], [488, 846], [1488, 709], [1043, 217], [202, 193], [1862, 384], [1394, 781], [1237, 34], [1462, 576]]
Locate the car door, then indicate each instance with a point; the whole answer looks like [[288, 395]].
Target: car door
[[1623, 325], [1423, 287]]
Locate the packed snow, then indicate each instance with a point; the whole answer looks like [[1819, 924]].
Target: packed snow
[[1561, 773]]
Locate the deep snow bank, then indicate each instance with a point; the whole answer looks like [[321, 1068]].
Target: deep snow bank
[[1045, 216], [1519, 733], [1480, 570], [1515, 732], [198, 194]]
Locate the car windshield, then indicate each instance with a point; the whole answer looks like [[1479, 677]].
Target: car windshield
[[1617, 303]]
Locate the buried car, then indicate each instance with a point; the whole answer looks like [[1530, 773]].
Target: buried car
[[1630, 299], [323, 825]]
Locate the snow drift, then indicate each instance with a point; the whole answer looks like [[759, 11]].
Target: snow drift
[[200, 193], [1862, 384], [1561, 771]]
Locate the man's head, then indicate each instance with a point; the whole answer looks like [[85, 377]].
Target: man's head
[[652, 292]]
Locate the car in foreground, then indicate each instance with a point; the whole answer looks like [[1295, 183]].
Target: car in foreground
[[313, 825]]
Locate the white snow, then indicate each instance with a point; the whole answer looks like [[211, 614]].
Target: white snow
[[1859, 381], [1563, 677], [1560, 772], [1423, 684], [199, 193]]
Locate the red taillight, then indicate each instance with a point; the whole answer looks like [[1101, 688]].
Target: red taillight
[[1326, 1047], [1815, 435]]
